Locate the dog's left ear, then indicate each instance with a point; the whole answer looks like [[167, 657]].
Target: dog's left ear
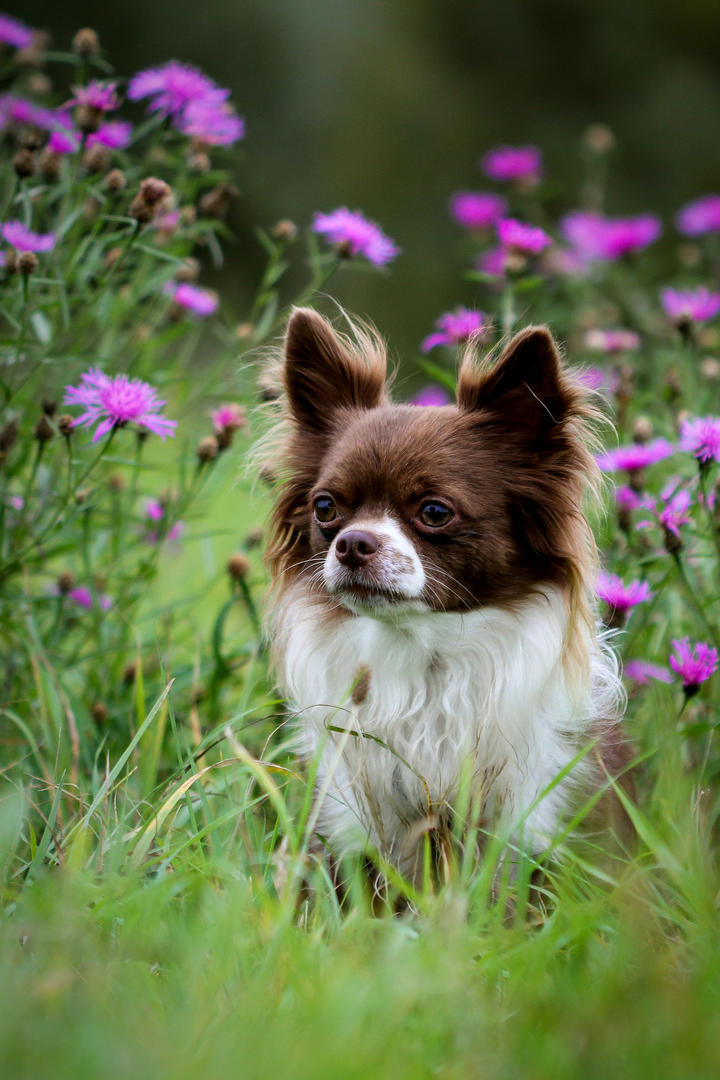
[[323, 374], [527, 386]]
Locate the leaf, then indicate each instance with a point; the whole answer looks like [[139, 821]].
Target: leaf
[[42, 328], [445, 378]]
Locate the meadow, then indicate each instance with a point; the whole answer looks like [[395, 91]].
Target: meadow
[[161, 912]]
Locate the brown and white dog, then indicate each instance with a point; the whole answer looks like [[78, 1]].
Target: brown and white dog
[[432, 606]]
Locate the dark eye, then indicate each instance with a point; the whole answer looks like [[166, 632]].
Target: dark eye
[[325, 509], [435, 514]]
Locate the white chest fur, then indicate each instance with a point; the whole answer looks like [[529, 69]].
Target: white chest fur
[[485, 691]]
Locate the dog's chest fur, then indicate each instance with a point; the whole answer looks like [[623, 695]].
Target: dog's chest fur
[[484, 693]]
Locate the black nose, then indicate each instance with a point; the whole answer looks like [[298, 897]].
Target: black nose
[[356, 547]]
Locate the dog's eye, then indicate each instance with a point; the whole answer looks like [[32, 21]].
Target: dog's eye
[[325, 509], [435, 514]]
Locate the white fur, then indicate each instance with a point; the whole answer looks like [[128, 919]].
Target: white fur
[[485, 690], [396, 567]]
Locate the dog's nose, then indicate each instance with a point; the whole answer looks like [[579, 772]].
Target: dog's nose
[[356, 547]]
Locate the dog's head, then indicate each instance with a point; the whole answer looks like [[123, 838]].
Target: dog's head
[[386, 508]]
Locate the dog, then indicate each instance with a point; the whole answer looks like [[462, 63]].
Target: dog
[[432, 618]]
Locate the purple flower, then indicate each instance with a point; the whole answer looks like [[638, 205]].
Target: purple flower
[[114, 134], [594, 378], [173, 86], [352, 232], [699, 217], [598, 237], [694, 664], [431, 395], [627, 499], [15, 33], [21, 111], [23, 239], [517, 236], [696, 305], [84, 599], [202, 302], [229, 417], [611, 341], [63, 142], [115, 401], [619, 597], [154, 510], [702, 438], [642, 671], [454, 327], [492, 262], [672, 511], [96, 95], [635, 457], [477, 209], [214, 123], [520, 163]]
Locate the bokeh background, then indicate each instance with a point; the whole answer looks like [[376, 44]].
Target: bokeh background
[[387, 105]]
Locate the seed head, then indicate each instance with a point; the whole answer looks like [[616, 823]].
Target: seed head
[[238, 566], [86, 42], [207, 449]]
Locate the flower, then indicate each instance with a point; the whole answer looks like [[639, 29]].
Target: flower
[[229, 417], [522, 163], [214, 123], [63, 142], [598, 237], [201, 302], [155, 511], [673, 512], [627, 499], [611, 341], [115, 401], [95, 95], [696, 305], [352, 232], [477, 209], [454, 327], [702, 438], [492, 262], [621, 598], [115, 135], [431, 395], [694, 664], [635, 457], [84, 598], [594, 378], [18, 110], [15, 33], [699, 217], [642, 671], [22, 239], [517, 236], [172, 87]]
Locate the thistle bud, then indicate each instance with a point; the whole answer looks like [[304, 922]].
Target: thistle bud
[[207, 449], [710, 369], [284, 229], [86, 43], [96, 158], [27, 262], [215, 203], [8, 435], [673, 543], [11, 261], [199, 162], [153, 197], [39, 84], [642, 430], [49, 406], [88, 118], [115, 181], [189, 271], [66, 425], [65, 582], [24, 163], [100, 713], [599, 138], [238, 566], [254, 539], [50, 163], [44, 430]]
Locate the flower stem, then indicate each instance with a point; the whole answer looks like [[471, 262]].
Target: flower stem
[[693, 600]]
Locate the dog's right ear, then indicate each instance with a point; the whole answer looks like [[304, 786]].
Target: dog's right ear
[[323, 374]]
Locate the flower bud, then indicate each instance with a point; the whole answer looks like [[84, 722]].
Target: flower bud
[[153, 197], [189, 271], [96, 158], [129, 673], [24, 163], [115, 181], [27, 262], [254, 538], [673, 543], [642, 430], [11, 261], [44, 430], [39, 84], [599, 138], [100, 713], [50, 164], [116, 482], [710, 368], [86, 42], [65, 582], [244, 331], [238, 566], [284, 229], [112, 257], [207, 449], [82, 496], [199, 162], [49, 406], [66, 425], [88, 118], [215, 203], [8, 435]]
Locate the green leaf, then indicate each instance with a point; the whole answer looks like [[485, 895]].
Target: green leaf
[[42, 328]]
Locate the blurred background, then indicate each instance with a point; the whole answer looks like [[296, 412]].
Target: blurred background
[[386, 106]]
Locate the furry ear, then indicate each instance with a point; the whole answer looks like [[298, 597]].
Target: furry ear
[[323, 372], [527, 384]]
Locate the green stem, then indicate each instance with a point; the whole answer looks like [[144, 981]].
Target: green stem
[[714, 528], [693, 599], [508, 306]]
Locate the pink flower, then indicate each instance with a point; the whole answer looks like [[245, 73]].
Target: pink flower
[[154, 510], [635, 457], [202, 302], [431, 395], [173, 86], [520, 163], [96, 95], [699, 217], [15, 33], [214, 123], [22, 239], [595, 378], [697, 305], [492, 262], [454, 327], [63, 142], [18, 110], [517, 236], [694, 664], [477, 209], [611, 341], [350, 231], [627, 499], [673, 509], [598, 237], [115, 401], [621, 598], [114, 134], [702, 438], [84, 598], [642, 671], [229, 417]]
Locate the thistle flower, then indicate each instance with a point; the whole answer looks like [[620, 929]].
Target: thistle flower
[[228, 416], [631, 459], [702, 438], [15, 33], [63, 142], [700, 217], [84, 599], [598, 237], [95, 95], [694, 664], [524, 239], [20, 111], [611, 341], [690, 305], [477, 209], [22, 239], [353, 234], [202, 302], [642, 671], [519, 163], [115, 135], [174, 86], [594, 378], [214, 123], [431, 395], [454, 327], [619, 597], [492, 262], [112, 402], [155, 511]]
